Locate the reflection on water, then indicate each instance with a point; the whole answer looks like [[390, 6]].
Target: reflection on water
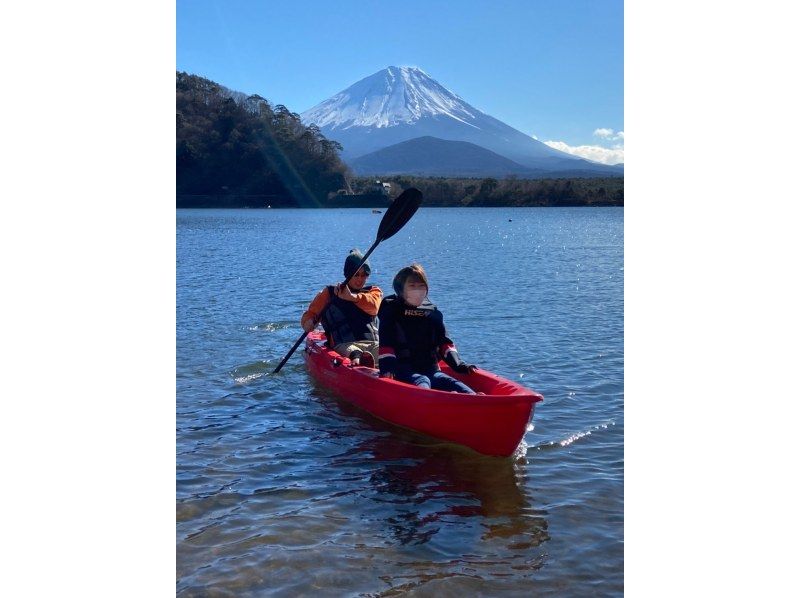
[[462, 486], [432, 485]]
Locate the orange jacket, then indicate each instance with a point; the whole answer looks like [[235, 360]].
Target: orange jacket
[[367, 301]]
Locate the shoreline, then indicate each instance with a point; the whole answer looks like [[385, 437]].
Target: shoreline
[[210, 202], [471, 207]]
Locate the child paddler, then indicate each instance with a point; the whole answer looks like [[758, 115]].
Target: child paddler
[[413, 338], [349, 321]]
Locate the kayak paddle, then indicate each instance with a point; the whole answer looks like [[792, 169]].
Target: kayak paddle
[[395, 218]]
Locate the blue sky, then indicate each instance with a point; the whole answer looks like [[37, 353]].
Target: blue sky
[[552, 69]]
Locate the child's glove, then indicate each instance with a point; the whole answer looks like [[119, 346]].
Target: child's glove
[[465, 368]]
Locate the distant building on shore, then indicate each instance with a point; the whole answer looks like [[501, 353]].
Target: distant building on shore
[[376, 188]]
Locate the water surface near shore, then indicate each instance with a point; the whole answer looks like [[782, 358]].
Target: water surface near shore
[[283, 488]]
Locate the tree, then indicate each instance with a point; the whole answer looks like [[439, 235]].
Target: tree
[[487, 188], [250, 147]]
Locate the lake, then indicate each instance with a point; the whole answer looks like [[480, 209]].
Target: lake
[[285, 489]]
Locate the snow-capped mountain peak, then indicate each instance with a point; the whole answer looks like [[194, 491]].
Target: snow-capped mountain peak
[[398, 104], [392, 96]]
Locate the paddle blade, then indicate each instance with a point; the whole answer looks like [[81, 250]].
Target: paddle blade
[[400, 212]]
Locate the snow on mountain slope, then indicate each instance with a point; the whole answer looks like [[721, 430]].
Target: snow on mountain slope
[[388, 98], [397, 104]]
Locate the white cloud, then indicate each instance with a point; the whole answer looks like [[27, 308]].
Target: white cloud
[[609, 134], [604, 133], [595, 153]]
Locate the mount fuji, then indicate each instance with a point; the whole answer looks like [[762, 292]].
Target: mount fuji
[[398, 104]]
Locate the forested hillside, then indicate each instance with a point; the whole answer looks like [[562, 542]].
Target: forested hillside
[[248, 153]]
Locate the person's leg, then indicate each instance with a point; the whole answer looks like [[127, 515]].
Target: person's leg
[[351, 350], [370, 353], [372, 348], [355, 351], [441, 381], [344, 349], [409, 377]]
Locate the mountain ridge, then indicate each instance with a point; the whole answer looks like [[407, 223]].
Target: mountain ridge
[[433, 156], [397, 104]]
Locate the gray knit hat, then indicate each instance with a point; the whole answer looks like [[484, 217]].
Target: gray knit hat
[[351, 263]]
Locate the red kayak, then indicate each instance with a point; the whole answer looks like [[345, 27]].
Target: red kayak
[[493, 423]]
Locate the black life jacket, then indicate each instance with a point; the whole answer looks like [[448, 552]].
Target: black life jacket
[[415, 331], [344, 322]]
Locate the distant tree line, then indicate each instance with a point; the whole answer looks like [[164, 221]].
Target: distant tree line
[[511, 191], [248, 153]]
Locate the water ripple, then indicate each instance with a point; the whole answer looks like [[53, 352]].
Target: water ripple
[[283, 488]]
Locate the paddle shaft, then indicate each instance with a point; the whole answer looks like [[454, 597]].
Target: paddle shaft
[[303, 336]]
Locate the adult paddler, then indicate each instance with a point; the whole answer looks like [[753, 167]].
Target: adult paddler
[[350, 321]]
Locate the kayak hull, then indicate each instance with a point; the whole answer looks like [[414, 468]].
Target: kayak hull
[[492, 424]]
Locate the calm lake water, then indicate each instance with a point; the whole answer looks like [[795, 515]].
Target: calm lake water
[[285, 489]]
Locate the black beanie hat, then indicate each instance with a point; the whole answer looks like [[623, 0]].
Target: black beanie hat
[[351, 263]]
